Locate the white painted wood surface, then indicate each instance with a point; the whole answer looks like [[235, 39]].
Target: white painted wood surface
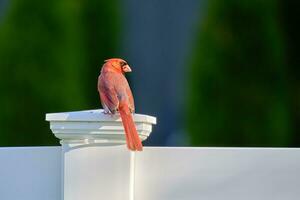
[[97, 172], [218, 174], [93, 126], [30, 173], [94, 172]]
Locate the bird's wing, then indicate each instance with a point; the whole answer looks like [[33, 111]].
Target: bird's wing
[[108, 94], [123, 92]]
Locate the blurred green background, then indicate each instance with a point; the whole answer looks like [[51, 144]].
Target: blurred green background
[[244, 85], [241, 85], [50, 57]]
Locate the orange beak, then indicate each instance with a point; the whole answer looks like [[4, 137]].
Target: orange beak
[[126, 68]]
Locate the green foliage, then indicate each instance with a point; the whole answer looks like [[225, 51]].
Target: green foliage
[[238, 84], [50, 56]]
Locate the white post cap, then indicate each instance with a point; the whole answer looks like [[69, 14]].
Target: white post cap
[[93, 126]]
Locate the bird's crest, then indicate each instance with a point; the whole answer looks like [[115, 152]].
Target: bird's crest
[[113, 59]]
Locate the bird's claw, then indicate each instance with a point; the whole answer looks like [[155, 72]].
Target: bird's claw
[[106, 112]]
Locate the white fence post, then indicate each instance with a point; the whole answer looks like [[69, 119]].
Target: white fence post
[[96, 163]]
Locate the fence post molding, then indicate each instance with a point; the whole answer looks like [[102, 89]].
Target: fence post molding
[[96, 163]]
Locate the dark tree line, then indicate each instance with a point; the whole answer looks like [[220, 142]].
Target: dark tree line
[[50, 55], [244, 86]]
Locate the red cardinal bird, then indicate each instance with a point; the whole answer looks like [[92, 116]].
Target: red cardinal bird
[[115, 95]]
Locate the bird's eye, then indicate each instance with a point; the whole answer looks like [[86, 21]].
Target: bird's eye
[[123, 64]]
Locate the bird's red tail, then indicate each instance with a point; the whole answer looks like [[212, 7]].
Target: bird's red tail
[[132, 138]]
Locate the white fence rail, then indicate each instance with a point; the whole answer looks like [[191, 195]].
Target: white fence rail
[[30, 173], [218, 174]]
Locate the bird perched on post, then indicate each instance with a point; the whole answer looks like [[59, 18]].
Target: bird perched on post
[[116, 96]]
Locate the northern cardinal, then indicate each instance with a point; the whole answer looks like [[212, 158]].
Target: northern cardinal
[[116, 96]]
